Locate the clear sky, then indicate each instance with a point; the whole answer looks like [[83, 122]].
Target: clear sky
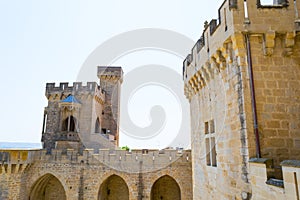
[[48, 41]]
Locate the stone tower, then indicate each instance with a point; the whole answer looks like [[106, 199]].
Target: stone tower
[[241, 79], [111, 79], [81, 116]]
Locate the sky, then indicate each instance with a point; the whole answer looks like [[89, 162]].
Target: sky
[[48, 41]]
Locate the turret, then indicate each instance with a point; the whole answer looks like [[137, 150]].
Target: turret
[[110, 81]]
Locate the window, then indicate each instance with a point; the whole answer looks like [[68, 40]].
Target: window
[[69, 124], [97, 125], [210, 143], [272, 3], [268, 2], [45, 122]]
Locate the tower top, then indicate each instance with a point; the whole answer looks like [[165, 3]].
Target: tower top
[[110, 73]]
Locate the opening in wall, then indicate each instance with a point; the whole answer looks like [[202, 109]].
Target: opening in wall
[[45, 123], [271, 3], [266, 2], [69, 124], [225, 19], [207, 151], [97, 125], [206, 128], [210, 143], [246, 9]]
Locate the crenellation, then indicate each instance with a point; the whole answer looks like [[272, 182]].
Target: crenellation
[[23, 157], [79, 122], [216, 37], [77, 87], [241, 79], [213, 25]]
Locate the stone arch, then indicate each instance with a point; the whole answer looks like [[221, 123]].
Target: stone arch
[[47, 187], [165, 188], [113, 188], [70, 124]]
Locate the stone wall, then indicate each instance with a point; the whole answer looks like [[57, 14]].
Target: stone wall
[[216, 76], [262, 190], [82, 176], [277, 79], [111, 79]]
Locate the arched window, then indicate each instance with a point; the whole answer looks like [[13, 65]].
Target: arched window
[[69, 124], [97, 125]]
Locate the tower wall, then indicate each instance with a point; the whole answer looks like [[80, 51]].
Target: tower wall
[[216, 79], [90, 98], [110, 81]]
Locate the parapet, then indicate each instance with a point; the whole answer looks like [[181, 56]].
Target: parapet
[[16, 161], [287, 188], [130, 161], [78, 87], [110, 73]]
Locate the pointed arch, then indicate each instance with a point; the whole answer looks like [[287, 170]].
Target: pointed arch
[[114, 187], [165, 188], [97, 125], [70, 124], [47, 187]]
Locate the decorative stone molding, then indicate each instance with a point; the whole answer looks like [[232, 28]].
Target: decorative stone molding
[[220, 60], [226, 52], [269, 43], [238, 44], [289, 43]]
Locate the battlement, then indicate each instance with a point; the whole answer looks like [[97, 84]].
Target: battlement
[[16, 161], [77, 87], [110, 73], [117, 159], [241, 17], [281, 189]]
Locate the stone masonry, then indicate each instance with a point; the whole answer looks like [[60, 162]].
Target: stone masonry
[[248, 37], [78, 118], [38, 175], [242, 81]]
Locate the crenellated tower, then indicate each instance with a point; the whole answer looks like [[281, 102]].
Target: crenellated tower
[[111, 79], [80, 116]]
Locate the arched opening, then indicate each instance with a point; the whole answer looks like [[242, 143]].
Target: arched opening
[[69, 124], [113, 188], [165, 188], [97, 125], [47, 187]]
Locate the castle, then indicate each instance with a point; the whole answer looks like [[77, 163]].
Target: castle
[[241, 80], [80, 157]]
